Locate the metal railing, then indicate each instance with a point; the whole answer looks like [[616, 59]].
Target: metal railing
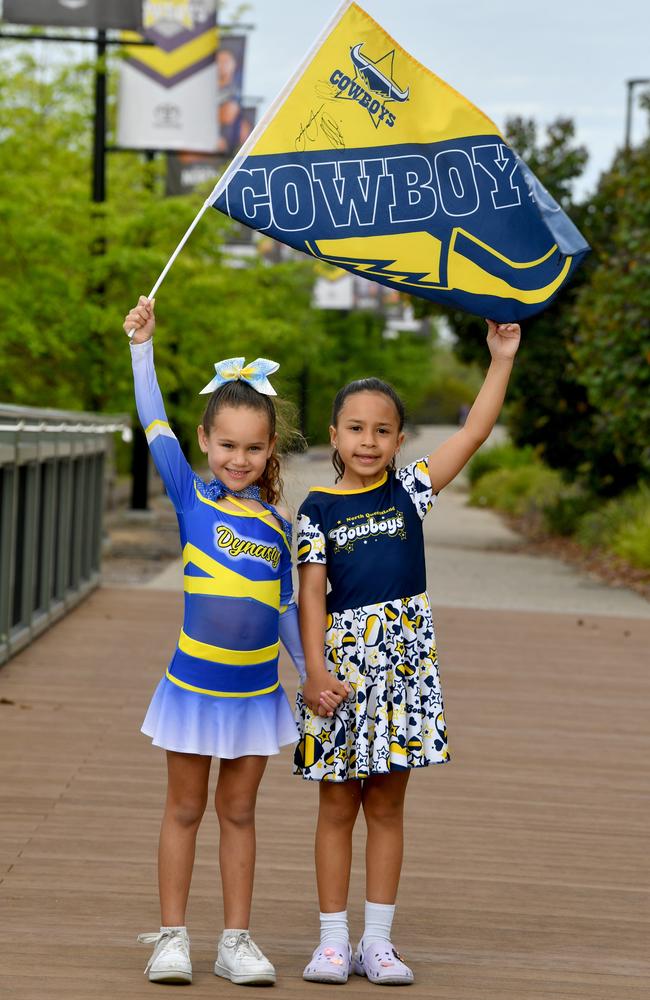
[[52, 468]]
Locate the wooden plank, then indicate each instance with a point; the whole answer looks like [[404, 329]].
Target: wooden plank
[[525, 861]]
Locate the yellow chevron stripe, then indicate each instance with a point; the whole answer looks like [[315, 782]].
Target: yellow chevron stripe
[[222, 694], [241, 588], [231, 657], [525, 265], [170, 63], [155, 423], [226, 582]]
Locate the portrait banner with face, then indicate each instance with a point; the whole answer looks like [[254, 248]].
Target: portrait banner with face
[[125, 14], [230, 84], [168, 92]]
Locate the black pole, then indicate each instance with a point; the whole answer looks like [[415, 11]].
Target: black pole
[[96, 288], [303, 405], [99, 130], [139, 469], [631, 84], [140, 459]]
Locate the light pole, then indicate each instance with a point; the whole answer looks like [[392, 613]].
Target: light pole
[[631, 84]]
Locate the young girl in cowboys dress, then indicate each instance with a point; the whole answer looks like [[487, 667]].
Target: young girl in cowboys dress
[[375, 629]]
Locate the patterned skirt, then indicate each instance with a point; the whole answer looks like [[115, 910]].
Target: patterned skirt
[[394, 718]]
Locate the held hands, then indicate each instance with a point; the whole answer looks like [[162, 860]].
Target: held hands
[[503, 340], [142, 320], [323, 693]]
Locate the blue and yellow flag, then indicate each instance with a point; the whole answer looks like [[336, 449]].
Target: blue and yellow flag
[[370, 161]]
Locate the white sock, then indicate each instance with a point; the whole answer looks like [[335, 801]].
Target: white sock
[[379, 920], [233, 932], [334, 927]]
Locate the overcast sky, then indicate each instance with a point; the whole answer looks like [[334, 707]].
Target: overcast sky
[[554, 57]]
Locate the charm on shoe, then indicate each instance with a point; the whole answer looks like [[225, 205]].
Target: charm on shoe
[[382, 964], [330, 963]]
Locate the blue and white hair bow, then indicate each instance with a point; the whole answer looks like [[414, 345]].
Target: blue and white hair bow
[[255, 374]]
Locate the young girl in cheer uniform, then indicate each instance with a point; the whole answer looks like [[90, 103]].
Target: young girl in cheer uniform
[[220, 696], [375, 629]]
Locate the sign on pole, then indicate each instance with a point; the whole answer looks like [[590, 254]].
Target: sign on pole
[[123, 14], [168, 92]]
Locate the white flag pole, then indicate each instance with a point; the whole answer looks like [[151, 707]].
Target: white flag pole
[[252, 139], [175, 254], [276, 104]]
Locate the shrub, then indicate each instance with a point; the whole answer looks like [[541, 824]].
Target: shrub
[[523, 490], [633, 541], [563, 514], [622, 525], [602, 526], [499, 456]]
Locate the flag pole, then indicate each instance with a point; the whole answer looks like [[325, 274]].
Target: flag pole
[[239, 158]]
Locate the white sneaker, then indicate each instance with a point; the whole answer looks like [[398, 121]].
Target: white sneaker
[[241, 961], [170, 960]]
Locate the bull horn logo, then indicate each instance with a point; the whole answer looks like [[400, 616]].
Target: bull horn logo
[[377, 81]]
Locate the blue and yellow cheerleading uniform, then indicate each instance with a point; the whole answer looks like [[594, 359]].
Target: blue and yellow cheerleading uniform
[[220, 695], [379, 635]]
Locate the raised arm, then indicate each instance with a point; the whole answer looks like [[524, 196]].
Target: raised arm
[[447, 461], [172, 465]]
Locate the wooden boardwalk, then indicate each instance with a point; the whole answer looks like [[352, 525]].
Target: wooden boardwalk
[[527, 859]]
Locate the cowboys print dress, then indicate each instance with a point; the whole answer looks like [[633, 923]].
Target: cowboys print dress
[[379, 634]]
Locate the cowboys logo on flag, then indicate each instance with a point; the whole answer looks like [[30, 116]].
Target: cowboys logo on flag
[[370, 161]]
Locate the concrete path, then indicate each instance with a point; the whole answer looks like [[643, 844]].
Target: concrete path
[[473, 558]]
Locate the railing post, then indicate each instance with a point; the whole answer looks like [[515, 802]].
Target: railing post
[[51, 512]]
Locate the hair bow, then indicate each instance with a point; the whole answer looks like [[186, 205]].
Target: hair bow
[[255, 374]]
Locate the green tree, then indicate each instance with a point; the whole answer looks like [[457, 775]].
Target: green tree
[[611, 343], [70, 270], [547, 405], [355, 347], [62, 305], [47, 230]]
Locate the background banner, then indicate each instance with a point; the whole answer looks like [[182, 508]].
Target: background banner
[[168, 94], [230, 83], [75, 13], [236, 121], [186, 171]]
